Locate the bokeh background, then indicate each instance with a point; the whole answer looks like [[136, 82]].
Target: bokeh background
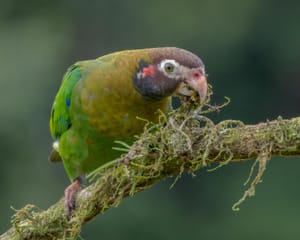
[[251, 52]]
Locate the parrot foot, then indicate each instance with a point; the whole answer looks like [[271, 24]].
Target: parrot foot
[[70, 196]]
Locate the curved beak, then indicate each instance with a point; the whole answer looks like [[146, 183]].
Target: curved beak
[[195, 80]]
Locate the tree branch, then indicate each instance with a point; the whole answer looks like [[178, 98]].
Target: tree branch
[[185, 142]]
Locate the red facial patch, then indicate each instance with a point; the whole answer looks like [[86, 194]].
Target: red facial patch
[[148, 71], [196, 75]]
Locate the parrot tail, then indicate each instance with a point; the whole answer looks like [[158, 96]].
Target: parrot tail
[[54, 156]]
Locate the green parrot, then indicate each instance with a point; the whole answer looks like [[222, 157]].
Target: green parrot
[[99, 101]]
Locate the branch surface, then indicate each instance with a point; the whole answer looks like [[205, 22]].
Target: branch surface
[[181, 143]]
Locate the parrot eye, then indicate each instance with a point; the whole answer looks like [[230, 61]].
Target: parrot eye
[[169, 67]]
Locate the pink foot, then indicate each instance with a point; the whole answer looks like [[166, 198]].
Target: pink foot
[[70, 196]]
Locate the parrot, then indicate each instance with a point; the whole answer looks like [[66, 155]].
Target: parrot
[[100, 100]]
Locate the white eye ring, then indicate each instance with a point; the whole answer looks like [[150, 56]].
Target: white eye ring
[[169, 67]]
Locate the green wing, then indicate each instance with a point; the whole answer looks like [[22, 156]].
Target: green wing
[[60, 120]]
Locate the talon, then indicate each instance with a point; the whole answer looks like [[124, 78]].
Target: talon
[[70, 196]]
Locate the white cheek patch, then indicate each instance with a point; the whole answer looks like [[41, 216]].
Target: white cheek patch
[[139, 75]]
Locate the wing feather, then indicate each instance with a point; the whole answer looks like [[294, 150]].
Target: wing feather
[[60, 120]]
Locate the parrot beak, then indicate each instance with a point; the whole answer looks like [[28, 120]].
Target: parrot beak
[[195, 80]]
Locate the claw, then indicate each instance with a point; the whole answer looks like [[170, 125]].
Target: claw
[[70, 196]]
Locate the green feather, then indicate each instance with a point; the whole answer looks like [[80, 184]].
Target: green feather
[[104, 106], [60, 114]]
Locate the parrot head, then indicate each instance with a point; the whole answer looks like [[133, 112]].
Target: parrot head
[[171, 71]]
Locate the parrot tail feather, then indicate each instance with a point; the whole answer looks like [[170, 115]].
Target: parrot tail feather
[[54, 156]]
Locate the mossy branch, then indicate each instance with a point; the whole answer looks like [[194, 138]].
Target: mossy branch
[[185, 141]]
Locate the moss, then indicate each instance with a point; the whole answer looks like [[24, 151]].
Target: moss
[[46, 224], [184, 140]]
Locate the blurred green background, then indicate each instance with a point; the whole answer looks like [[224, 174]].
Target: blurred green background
[[251, 52]]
